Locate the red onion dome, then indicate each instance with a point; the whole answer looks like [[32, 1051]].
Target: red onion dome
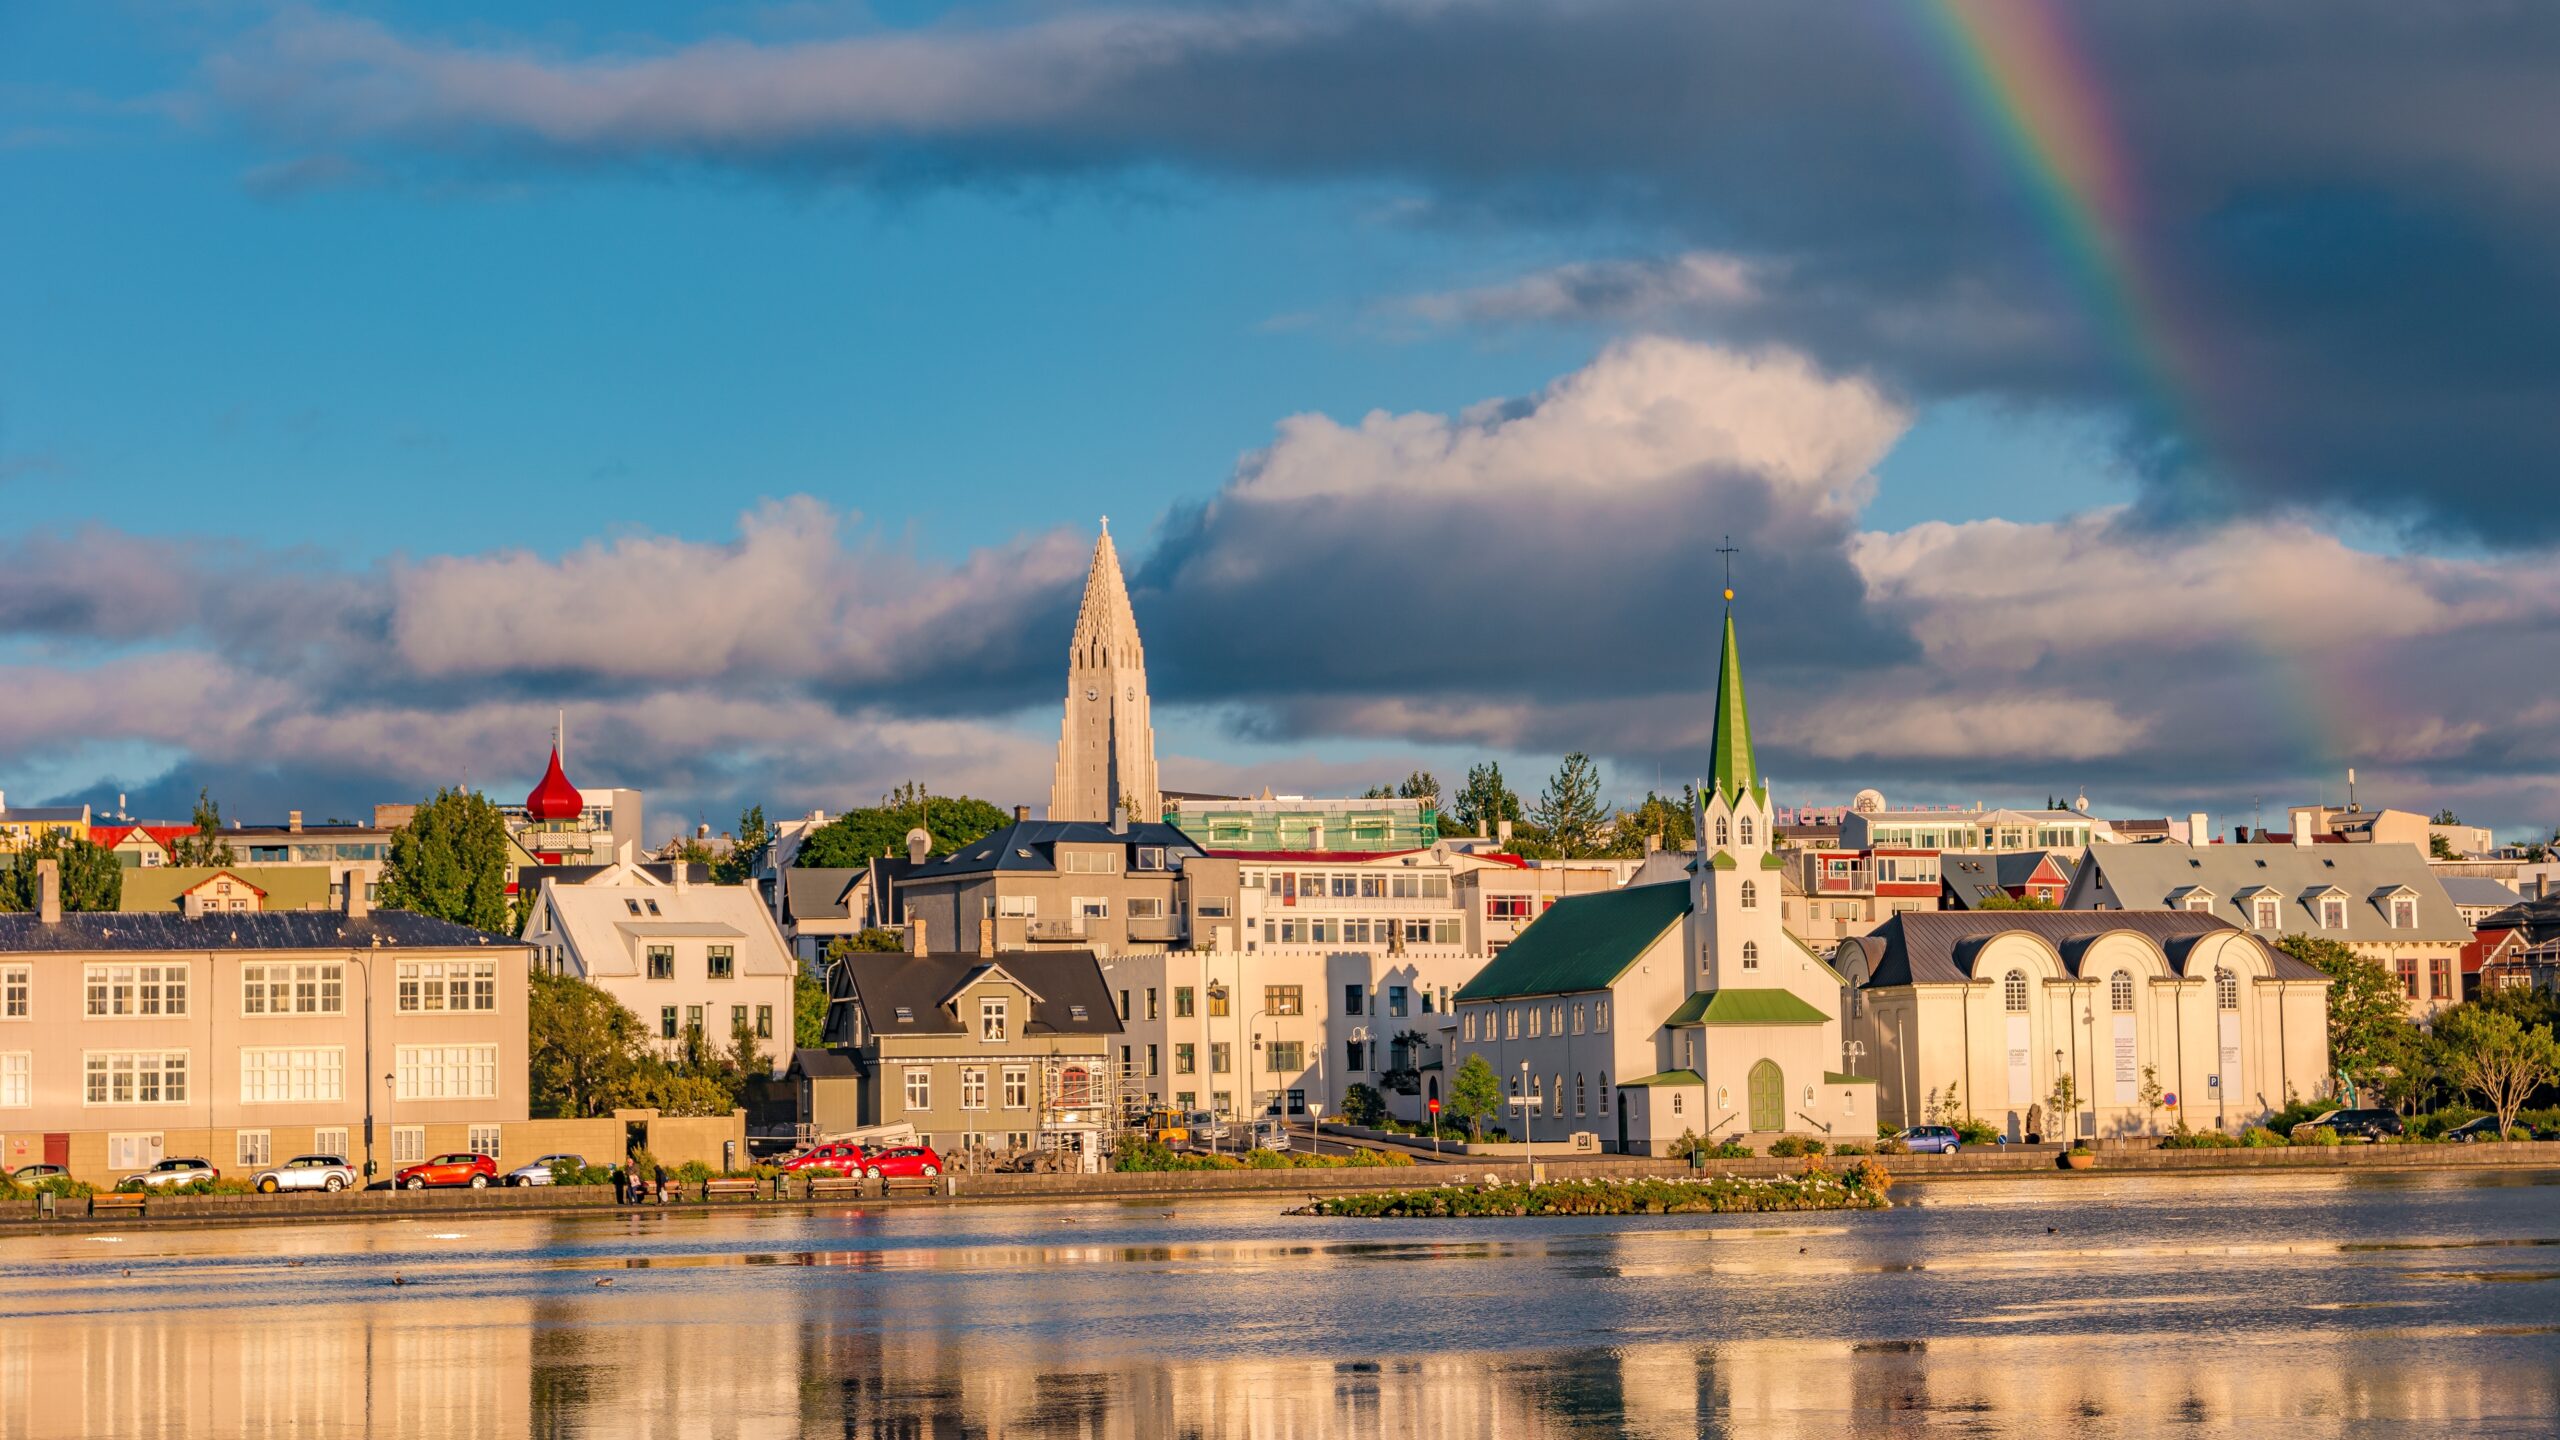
[[555, 798]]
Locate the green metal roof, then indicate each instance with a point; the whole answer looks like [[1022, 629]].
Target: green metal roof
[[1730, 771], [288, 887], [1730, 1006], [1831, 1077], [1667, 1077], [1582, 942]]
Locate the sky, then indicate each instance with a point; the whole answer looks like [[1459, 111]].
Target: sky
[[2153, 402]]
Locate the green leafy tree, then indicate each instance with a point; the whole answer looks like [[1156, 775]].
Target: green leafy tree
[[808, 1010], [584, 1048], [450, 861], [206, 846], [2439, 848], [2151, 1094], [2369, 1031], [2491, 1054], [92, 878], [1474, 1093], [859, 836], [1569, 808], [1486, 800], [2064, 1100], [2017, 902], [747, 1053], [874, 941], [755, 839], [1420, 785], [1362, 1105], [1672, 819], [2446, 817]]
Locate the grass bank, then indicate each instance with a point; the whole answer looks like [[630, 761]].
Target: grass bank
[[1862, 1187]]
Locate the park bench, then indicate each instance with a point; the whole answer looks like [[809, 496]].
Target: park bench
[[837, 1187], [118, 1202], [734, 1188], [911, 1185]]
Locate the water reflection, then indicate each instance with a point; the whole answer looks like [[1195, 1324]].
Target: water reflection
[[2326, 1305]]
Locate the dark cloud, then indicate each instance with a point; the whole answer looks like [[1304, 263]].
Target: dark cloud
[[2329, 277]]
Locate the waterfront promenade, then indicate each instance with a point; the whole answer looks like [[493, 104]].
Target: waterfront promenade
[[2317, 1303]]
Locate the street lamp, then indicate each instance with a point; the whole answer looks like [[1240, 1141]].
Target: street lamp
[[1528, 1105], [1217, 996]]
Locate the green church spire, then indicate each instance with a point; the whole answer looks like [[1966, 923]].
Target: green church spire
[[1731, 771]]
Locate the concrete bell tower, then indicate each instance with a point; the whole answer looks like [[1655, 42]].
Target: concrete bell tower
[[1106, 744], [1738, 937]]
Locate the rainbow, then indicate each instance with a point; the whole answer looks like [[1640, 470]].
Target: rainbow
[[2028, 80], [2033, 88]]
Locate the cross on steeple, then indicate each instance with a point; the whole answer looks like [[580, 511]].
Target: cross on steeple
[[1728, 552]]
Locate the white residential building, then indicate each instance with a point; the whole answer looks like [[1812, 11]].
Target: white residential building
[[683, 957]]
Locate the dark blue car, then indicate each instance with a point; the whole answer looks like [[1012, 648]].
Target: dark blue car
[[1931, 1140]]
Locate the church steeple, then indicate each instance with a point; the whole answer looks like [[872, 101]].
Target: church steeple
[[1106, 745], [1731, 773]]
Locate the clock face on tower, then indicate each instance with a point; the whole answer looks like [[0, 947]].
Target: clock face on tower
[[1092, 694]]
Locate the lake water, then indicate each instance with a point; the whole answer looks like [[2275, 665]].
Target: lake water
[[2297, 1305]]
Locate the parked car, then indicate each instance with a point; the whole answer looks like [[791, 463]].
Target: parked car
[[1931, 1139], [2484, 1128], [2366, 1125], [464, 1168], [171, 1172], [539, 1172], [903, 1160], [307, 1172], [839, 1155], [1205, 1125], [1270, 1135], [30, 1174]]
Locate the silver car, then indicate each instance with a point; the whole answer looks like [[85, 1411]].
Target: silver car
[[307, 1172], [539, 1172], [171, 1172]]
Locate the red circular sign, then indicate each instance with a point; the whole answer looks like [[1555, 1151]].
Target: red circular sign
[[1435, 1107]]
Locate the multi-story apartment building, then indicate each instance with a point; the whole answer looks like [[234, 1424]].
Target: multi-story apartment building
[[985, 1057], [1060, 884], [2381, 901], [1297, 824], [690, 960], [1978, 829], [22, 826], [245, 1037], [1849, 892]]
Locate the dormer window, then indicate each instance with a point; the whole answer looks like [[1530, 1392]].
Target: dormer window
[[991, 1020], [2263, 912], [2404, 912], [1150, 857], [2333, 913]]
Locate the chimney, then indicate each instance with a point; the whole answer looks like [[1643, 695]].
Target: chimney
[[293, 821], [49, 891], [357, 906], [1653, 843], [1502, 832], [1021, 814], [1120, 818], [2199, 829], [191, 905], [987, 937], [682, 869], [2306, 819], [916, 942]]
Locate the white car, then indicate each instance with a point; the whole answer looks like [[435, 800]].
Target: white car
[[172, 1172], [539, 1172], [307, 1172]]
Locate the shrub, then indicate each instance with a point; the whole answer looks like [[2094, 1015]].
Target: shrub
[[694, 1172], [1729, 1150], [1790, 1147], [2283, 1121], [1890, 1146], [2184, 1138], [1976, 1132], [2259, 1137], [1684, 1146], [2434, 1124], [2316, 1135], [1847, 1147], [564, 1173], [1363, 1106]]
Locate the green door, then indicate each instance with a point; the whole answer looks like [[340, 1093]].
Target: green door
[[1768, 1097]]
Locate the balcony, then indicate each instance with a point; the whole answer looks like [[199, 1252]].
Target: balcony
[[1054, 929], [1854, 883], [1157, 929]]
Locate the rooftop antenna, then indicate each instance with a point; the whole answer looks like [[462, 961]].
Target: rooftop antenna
[[560, 737], [1728, 552]]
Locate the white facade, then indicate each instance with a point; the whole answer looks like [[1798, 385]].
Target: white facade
[[682, 957]]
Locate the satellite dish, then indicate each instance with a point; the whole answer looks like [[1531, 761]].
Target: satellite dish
[[919, 845], [1867, 802]]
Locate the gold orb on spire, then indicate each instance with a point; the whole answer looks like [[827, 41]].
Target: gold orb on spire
[[1728, 592]]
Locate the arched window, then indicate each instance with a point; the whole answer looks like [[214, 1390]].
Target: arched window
[[1075, 1087], [1604, 1092], [1515, 1087], [1720, 830], [1750, 895], [2013, 991], [1750, 954], [1578, 1095], [2226, 989], [2120, 993], [1746, 829]]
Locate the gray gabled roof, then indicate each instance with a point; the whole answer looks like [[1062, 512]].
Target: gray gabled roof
[[1059, 980], [2142, 876], [1970, 879], [817, 892], [1031, 845], [83, 932], [2476, 890], [1939, 949]]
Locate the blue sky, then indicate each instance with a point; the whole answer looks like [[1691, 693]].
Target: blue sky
[[291, 302]]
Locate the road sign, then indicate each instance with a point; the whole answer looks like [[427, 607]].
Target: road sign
[[1435, 1107], [2170, 1100]]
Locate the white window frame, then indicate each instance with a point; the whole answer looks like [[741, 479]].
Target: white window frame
[[431, 987], [1017, 907], [286, 988], [408, 1144], [118, 991], [918, 1088], [973, 1087], [484, 1140], [292, 1074], [17, 992], [1017, 1087], [253, 1149], [995, 1019], [330, 1140], [99, 1070], [445, 1072], [17, 1079]]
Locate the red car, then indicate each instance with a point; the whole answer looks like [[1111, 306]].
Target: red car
[[903, 1160], [477, 1171], [842, 1156]]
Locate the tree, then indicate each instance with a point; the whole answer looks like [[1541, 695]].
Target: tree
[[2439, 848], [873, 941], [584, 1048], [1421, 785], [1569, 809], [206, 846], [92, 879], [2491, 1054], [1486, 801], [808, 1010], [2005, 901], [2369, 1030], [1675, 821], [755, 838], [2064, 1100], [859, 836], [1363, 1106], [2446, 817], [746, 1052], [1474, 1093], [450, 861], [2151, 1095]]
